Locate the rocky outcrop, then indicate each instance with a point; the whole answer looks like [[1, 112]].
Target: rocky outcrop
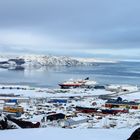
[[17, 61], [8, 122], [135, 135]]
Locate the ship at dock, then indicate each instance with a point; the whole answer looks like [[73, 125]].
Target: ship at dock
[[80, 83]]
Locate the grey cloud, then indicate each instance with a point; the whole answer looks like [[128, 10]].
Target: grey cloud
[[93, 24]]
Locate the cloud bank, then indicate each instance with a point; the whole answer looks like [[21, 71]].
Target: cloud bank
[[87, 28]]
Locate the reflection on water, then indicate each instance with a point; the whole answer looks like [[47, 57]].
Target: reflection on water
[[124, 72]]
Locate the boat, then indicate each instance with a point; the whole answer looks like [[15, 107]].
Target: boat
[[78, 83]]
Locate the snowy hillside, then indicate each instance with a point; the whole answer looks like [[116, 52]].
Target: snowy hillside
[[66, 134], [96, 60], [37, 61], [46, 60]]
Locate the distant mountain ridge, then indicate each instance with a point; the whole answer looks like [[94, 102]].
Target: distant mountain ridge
[[36, 61], [48, 60]]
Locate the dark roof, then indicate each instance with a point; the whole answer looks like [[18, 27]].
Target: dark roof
[[112, 101]]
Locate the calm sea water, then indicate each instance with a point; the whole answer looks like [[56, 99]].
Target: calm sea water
[[119, 73]]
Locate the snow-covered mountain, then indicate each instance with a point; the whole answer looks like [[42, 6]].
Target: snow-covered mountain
[[37, 61], [47, 60]]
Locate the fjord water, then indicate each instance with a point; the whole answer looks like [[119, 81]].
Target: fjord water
[[104, 73]]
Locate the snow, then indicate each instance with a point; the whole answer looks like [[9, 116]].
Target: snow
[[38, 61], [95, 60], [98, 129], [128, 87], [2, 117], [3, 59], [53, 93], [78, 118], [44, 60], [132, 97], [90, 83], [66, 134], [122, 124]]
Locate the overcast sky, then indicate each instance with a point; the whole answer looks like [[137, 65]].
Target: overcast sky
[[88, 28]]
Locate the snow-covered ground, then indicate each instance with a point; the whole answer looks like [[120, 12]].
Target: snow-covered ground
[[98, 127], [95, 60], [37, 92], [132, 97], [66, 134]]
